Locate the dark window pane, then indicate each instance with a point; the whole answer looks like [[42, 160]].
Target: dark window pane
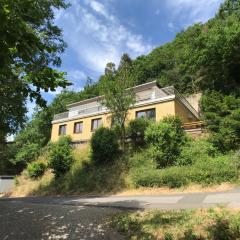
[[62, 129], [78, 127], [96, 123], [149, 113]]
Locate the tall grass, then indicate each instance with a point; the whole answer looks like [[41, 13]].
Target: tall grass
[[132, 170], [86, 177], [203, 224]]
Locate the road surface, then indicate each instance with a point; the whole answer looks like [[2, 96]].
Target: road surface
[[88, 218], [20, 220]]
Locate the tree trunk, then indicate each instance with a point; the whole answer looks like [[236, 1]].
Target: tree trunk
[[123, 136]]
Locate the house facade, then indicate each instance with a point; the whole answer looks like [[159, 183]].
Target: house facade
[[84, 117]]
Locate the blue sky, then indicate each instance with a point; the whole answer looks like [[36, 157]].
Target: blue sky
[[98, 32]]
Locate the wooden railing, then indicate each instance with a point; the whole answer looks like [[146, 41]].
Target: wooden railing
[[193, 125]]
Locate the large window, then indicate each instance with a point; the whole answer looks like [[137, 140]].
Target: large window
[[62, 129], [78, 127], [96, 123], [149, 113]]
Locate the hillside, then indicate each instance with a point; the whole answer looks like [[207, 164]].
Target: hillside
[[204, 57]]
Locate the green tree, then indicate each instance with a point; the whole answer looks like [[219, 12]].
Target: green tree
[[116, 87], [60, 156], [166, 139], [30, 48], [222, 117], [136, 131], [104, 145]]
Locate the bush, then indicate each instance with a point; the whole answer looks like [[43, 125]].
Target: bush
[[104, 145], [60, 156], [205, 172], [7, 164], [27, 153], [222, 117], [166, 140], [36, 169], [135, 131], [196, 150], [141, 159], [228, 136]]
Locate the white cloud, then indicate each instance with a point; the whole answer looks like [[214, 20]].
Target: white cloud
[[76, 75], [100, 8], [57, 91], [97, 36], [192, 11]]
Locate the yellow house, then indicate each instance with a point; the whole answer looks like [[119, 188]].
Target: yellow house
[[83, 117]]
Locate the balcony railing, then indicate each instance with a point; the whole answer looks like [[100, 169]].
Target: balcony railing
[[162, 93], [79, 113], [61, 116]]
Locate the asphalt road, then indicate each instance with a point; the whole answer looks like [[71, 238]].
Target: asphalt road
[[20, 220], [88, 218]]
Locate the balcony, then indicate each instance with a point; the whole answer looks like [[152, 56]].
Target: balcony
[[143, 97]]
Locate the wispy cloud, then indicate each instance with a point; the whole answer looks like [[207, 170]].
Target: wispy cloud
[[101, 9], [76, 75], [97, 36], [192, 11]]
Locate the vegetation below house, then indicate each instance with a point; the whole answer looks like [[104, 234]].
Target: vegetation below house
[[87, 171], [204, 58], [211, 224]]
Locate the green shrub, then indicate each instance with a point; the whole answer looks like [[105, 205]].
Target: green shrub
[[166, 140], [206, 171], [196, 150], [222, 117], [27, 153], [36, 169], [104, 145], [135, 131], [141, 159], [228, 135], [60, 156]]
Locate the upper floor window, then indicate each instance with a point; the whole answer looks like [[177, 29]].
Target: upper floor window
[[78, 127], [96, 123], [62, 129], [149, 113]]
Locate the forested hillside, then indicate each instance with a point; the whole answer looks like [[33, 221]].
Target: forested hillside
[[204, 57]]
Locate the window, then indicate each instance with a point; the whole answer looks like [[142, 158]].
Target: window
[[149, 113], [78, 127], [96, 123], [62, 129]]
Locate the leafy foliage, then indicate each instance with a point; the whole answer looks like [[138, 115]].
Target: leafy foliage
[[117, 91], [60, 156], [27, 153], [222, 116], [166, 140], [7, 163], [203, 57], [36, 169], [196, 150], [37, 133], [30, 46], [205, 171], [104, 145], [135, 131]]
